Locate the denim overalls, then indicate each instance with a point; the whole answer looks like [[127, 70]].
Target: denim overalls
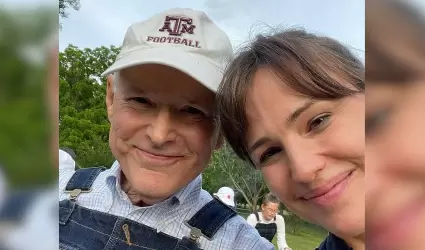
[[267, 231], [83, 228]]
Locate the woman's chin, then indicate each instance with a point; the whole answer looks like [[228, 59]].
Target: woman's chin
[[345, 228]]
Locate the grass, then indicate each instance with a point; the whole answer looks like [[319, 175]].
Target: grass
[[306, 237]]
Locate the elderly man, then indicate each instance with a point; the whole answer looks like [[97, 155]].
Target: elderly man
[[161, 106]]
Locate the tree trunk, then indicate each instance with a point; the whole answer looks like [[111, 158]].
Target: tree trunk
[[255, 202], [254, 205]]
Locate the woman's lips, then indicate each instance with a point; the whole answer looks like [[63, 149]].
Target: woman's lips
[[330, 192]]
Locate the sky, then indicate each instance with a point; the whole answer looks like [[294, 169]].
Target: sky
[[104, 23]]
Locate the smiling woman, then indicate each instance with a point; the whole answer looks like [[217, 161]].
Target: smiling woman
[[292, 104]]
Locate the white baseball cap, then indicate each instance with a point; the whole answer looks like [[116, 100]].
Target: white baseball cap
[[66, 160], [226, 195], [183, 39]]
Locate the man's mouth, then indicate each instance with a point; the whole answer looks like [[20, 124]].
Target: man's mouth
[[158, 158]]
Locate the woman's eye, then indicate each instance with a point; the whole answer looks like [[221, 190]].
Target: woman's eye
[[375, 121], [318, 122], [268, 154]]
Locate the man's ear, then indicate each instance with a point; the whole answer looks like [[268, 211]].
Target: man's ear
[[109, 96]]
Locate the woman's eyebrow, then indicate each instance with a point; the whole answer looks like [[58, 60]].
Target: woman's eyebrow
[[297, 113]]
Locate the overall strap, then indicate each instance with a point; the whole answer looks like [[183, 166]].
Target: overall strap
[[81, 181], [257, 216], [209, 219], [17, 204]]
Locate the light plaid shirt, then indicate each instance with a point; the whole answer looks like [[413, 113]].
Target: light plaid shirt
[[167, 216]]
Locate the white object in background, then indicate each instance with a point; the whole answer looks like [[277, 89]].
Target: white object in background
[[226, 195], [65, 160]]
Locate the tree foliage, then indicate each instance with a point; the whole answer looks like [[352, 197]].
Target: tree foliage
[[23, 117], [227, 169], [66, 4], [83, 122]]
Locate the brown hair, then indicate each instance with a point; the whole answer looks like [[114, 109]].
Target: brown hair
[[394, 31], [314, 66], [269, 198]]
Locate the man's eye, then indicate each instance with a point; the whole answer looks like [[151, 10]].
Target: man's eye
[[141, 100], [318, 122], [268, 154], [193, 111]]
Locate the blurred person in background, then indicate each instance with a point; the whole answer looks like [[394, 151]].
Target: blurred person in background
[[395, 126], [268, 222], [226, 195], [292, 103], [161, 105]]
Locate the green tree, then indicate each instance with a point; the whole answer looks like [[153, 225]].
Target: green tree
[[227, 169], [23, 117], [64, 5], [83, 122]]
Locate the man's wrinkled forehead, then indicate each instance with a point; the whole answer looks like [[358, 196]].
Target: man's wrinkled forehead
[[161, 84]]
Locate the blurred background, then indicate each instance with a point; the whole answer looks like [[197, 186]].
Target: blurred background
[[28, 172], [25, 29]]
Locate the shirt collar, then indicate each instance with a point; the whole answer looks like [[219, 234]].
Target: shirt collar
[[191, 190]]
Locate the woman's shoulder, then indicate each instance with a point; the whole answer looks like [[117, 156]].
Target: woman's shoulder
[[251, 216], [279, 217], [332, 242]]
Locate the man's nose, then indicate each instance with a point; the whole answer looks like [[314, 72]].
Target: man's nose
[[162, 128]]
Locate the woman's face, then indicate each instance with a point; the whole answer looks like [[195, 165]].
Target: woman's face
[[395, 154], [269, 209], [310, 152]]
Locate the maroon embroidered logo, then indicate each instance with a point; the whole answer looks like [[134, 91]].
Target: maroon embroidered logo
[[176, 26]]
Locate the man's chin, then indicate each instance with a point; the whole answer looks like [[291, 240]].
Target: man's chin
[[151, 195]]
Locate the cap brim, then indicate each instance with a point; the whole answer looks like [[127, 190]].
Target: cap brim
[[195, 65]]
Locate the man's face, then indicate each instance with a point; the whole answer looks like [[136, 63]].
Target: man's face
[[162, 130]]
